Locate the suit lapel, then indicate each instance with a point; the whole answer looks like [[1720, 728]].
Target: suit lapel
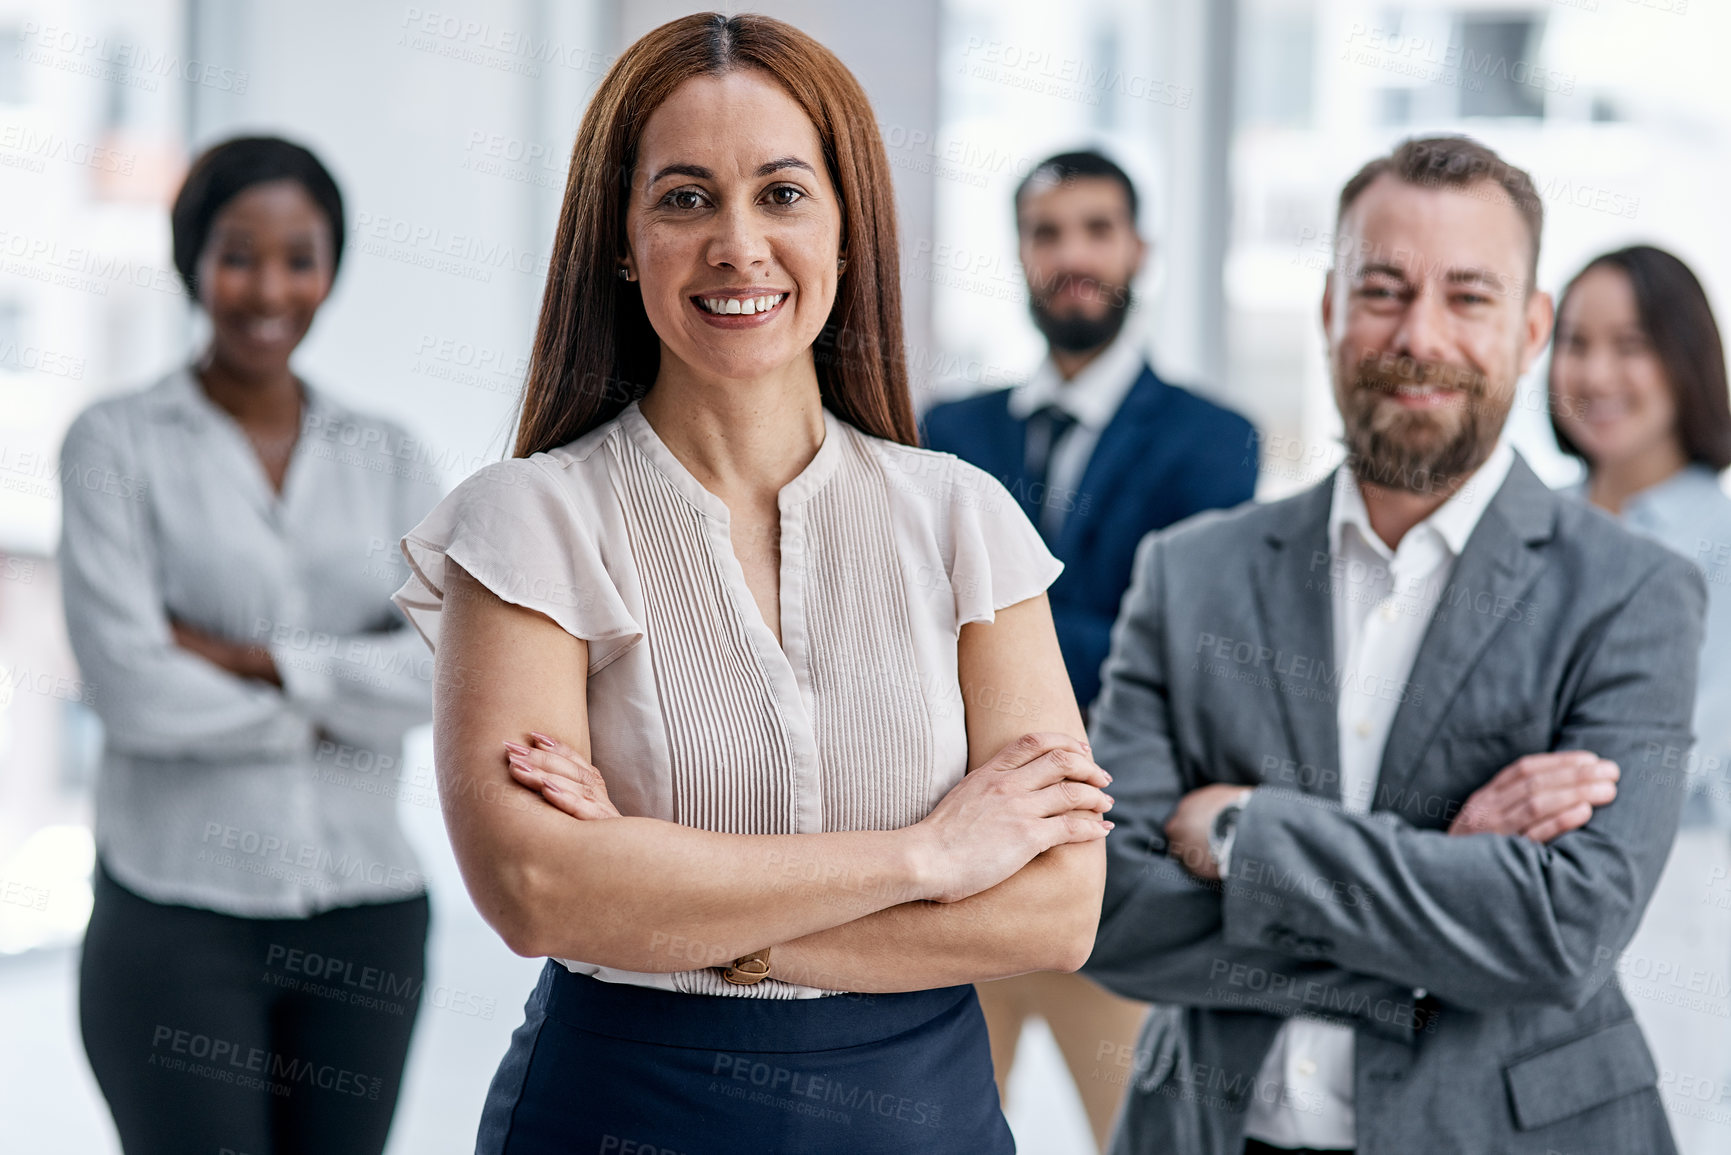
[[999, 446], [1494, 571], [1296, 611], [1123, 443]]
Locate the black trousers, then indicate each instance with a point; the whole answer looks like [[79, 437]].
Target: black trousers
[[1258, 1147], [603, 1067], [223, 1035]]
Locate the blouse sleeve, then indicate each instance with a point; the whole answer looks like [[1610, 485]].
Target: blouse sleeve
[[372, 685], [998, 558], [516, 531], [155, 699]]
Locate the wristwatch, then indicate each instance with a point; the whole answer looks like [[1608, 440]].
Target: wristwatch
[[1224, 831], [748, 969]]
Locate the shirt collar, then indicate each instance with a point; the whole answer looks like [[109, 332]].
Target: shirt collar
[[1091, 396], [823, 465], [180, 394], [1679, 499], [1453, 521]]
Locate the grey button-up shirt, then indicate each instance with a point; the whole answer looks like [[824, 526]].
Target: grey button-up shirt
[[219, 791], [1691, 514]]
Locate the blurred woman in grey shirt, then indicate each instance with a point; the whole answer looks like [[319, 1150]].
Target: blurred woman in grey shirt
[[1638, 393], [256, 950]]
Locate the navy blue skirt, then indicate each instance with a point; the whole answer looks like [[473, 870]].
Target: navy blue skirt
[[604, 1067]]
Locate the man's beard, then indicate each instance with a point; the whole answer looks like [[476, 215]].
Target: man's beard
[[1079, 334], [1418, 450]]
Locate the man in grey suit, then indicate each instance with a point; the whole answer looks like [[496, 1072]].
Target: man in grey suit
[[1394, 759]]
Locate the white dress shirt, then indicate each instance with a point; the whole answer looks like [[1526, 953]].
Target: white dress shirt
[[1092, 397], [1382, 601]]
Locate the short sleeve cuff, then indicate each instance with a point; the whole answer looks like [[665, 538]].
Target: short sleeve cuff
[[512, 529], [1000, 558]]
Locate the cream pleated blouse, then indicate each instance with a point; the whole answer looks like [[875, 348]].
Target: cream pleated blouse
[[854, 722]]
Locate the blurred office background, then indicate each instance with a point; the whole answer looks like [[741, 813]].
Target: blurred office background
[[448, 125]]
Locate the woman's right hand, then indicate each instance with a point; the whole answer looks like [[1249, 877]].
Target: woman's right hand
[[1039, 791]]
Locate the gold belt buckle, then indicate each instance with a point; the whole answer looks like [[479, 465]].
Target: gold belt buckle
[[748, 969]]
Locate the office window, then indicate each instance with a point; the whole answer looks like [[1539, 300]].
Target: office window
[[11, 64], [1276, 77], [1500, 68]]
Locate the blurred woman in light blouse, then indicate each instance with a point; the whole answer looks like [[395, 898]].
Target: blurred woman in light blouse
[[254, 958], [1638, 393]]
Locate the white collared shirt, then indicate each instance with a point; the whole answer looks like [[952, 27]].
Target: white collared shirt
[[1383, 600], [219, 791], [1092, 397]]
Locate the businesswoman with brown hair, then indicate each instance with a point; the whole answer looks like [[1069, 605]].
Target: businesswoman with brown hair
[[748, 712]]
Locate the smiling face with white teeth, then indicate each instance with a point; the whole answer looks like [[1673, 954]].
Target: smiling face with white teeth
[[1430, 323], [733, 230], [264, 271]]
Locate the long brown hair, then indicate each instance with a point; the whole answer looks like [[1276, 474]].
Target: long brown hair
[[1678, 320], [595, 351]]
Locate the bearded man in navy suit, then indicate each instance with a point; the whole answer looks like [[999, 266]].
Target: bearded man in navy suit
[[1101, 452]]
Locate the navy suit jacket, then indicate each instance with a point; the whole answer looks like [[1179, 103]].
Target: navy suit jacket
[[1166, 454]]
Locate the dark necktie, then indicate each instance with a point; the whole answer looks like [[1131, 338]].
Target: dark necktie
[[1046, 427]]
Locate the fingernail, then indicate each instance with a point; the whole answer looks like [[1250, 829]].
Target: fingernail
[[1108, 824], [1108, 778], [551, 787], [516, 746], [541, 739], [519, 762]]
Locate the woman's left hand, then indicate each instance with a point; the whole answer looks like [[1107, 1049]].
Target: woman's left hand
[[561, 776]]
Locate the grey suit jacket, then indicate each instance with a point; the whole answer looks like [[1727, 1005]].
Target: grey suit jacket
[[1557, 630]]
